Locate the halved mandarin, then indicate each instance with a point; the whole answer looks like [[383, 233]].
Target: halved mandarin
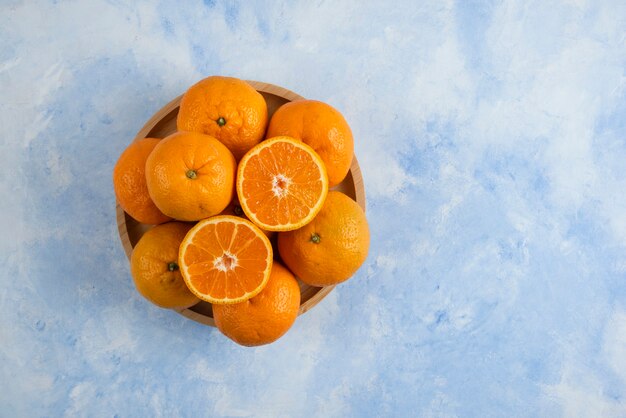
[[281, 184], [225, 259]]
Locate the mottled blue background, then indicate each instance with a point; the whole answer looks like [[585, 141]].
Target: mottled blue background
[[492, 138]]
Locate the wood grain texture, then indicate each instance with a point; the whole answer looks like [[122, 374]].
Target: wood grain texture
[[162, 124]]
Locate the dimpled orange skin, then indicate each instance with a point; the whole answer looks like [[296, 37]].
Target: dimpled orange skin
[[320, 126], [154, 267], [191, 176], [343, 239], [265, 317], [242, 109], [129, 183]]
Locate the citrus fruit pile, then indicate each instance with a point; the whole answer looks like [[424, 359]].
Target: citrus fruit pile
[[242, 206]]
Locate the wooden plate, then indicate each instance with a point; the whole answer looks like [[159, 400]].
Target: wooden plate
[[162, 124]]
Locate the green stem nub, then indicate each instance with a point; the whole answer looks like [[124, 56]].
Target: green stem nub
[[221, 121], [191, 174], [172, 266], [238, 210], [315, 238]]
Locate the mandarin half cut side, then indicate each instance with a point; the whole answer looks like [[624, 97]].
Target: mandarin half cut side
[[225, 259], [281, 184]]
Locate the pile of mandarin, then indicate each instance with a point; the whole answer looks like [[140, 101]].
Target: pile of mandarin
[[241, 206]]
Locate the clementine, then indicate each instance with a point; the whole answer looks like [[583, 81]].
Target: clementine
[[154, 267], [281, 184], [129, 183], [190, 176], [332, 247], [323, 128], [227, 108], [265, 317], [225, 259]]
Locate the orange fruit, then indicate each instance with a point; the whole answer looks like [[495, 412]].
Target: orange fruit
[[227, 108], [234, 209], [129, 183], [225, 259], [323, 128], [265, 317], [332, 247], [281, 184], [191, 176], [154, 267]]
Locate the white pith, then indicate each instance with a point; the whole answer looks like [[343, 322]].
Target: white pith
[[220, 262], [280, 191]]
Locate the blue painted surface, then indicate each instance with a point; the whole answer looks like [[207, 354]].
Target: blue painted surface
[[491, 135]]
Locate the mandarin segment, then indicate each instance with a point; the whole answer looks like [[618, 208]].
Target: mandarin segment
[[281, 184], [225, 259], [235, 209]]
